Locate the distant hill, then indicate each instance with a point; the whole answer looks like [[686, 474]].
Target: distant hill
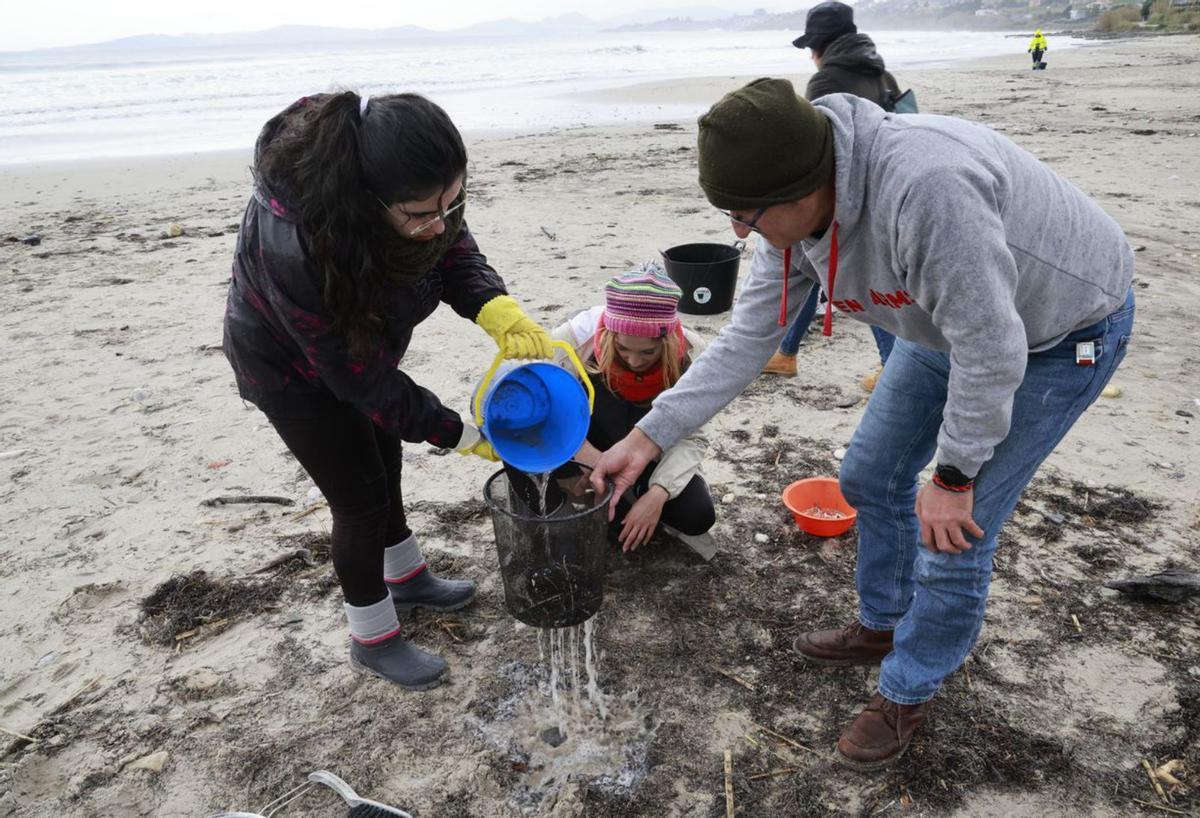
[[571, 23]]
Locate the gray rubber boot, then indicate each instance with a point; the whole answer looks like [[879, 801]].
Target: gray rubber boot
[[398, 661], [431, 592]]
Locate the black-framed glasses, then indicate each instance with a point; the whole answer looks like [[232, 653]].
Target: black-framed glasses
[[461, 200], [749, 223]]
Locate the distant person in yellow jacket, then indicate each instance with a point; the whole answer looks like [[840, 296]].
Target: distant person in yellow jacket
[[1037, 47]]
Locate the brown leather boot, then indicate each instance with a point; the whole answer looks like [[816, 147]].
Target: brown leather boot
[[880, 734], [781, 364], [839, 647]]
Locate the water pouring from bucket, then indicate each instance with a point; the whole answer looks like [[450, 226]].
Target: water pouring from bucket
[[551, 527]]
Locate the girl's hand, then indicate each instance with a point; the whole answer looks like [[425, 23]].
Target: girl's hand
[[588, 455], [639, 524]]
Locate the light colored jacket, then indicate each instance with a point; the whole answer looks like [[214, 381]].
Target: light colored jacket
[[950, 236], [680, 462]]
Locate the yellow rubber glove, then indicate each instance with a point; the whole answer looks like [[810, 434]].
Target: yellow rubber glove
[[517, 335], [473, 442]]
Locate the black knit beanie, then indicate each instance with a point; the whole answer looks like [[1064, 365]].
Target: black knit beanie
[[762, 145]]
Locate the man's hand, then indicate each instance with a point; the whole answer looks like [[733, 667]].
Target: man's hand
[[624, 462], [642, 519], [944, 515]]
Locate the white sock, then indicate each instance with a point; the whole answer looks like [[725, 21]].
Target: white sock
[[372, 623], [402, 561]]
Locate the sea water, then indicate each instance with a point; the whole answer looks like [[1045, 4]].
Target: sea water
[[117, 100]]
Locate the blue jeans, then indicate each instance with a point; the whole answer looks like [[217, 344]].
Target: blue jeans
[[790, 344], [884, 341], [935, 601]]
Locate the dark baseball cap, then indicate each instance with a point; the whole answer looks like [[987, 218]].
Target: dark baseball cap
[[826, 22]]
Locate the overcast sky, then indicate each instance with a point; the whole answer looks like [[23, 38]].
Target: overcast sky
[[28, 24]]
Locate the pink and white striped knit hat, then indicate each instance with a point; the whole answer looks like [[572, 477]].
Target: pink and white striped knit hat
[[642, 302]]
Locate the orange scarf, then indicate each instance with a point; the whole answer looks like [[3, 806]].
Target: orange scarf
[[635, 387]]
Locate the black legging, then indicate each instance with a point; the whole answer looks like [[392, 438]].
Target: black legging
[[1037, 55], [692, 511], [356, 465]]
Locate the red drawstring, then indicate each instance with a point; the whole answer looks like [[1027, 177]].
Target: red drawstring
[[833, 254], [787, 267]]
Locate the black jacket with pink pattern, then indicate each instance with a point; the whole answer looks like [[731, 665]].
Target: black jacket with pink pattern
[[286, 356]]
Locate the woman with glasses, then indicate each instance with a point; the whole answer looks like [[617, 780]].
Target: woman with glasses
[[354, 233]]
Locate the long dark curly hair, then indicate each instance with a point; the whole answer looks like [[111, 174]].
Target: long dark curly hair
[[337, 165]]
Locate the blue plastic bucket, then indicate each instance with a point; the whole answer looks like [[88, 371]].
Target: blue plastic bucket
[[535, 415]]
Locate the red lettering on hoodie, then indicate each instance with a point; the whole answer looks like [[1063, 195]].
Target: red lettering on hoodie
[[897, 300]]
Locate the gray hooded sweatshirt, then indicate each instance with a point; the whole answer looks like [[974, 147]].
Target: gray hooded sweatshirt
[[950, 236]]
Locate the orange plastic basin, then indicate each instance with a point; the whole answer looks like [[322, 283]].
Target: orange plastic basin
[[822, 492]]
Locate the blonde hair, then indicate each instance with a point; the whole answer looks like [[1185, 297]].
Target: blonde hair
[[671, 361]]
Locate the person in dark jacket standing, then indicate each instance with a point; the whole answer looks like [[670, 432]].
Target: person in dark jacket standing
[[354, 234], [847, 63]]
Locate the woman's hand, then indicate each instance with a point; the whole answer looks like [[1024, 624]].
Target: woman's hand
[[517, 335], [473, 442], [639, 524]]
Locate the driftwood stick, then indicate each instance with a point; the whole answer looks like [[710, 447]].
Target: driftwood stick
[[731, 677], [315, 507], [1172, 586], [21, 736], [772, 773], [300, 553], [1154, 780], [786, 740], [1158, 806], [234, 499], [729, 784]]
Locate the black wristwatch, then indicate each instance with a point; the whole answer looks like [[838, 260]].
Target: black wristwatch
[[951, 479]]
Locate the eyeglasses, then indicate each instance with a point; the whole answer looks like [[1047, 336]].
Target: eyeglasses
[[753, 220], [440, 217]]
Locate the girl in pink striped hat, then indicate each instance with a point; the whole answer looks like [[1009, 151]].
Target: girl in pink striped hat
[[634, 347]]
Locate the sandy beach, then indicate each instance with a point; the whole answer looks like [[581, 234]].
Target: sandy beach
[[119, 418]]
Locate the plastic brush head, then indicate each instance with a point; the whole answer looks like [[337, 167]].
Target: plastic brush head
[[375, 811]]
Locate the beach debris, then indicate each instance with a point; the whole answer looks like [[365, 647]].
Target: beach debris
[[553, 736], [153, 762], [246, 499], [174, 230], [1184, 413], [839, 454], [201, 681], [549, 235], [1111, 391], [219, 464], [824, 513], [1166, 773], [1172, 586], [848, 401], [12, 453], [728, 498], [761, 538], [32, 240]]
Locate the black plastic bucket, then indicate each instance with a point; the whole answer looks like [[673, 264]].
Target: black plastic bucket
[[707, 274], [553, 566]]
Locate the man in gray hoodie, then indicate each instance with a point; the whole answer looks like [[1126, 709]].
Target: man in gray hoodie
[[1009, 292]]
